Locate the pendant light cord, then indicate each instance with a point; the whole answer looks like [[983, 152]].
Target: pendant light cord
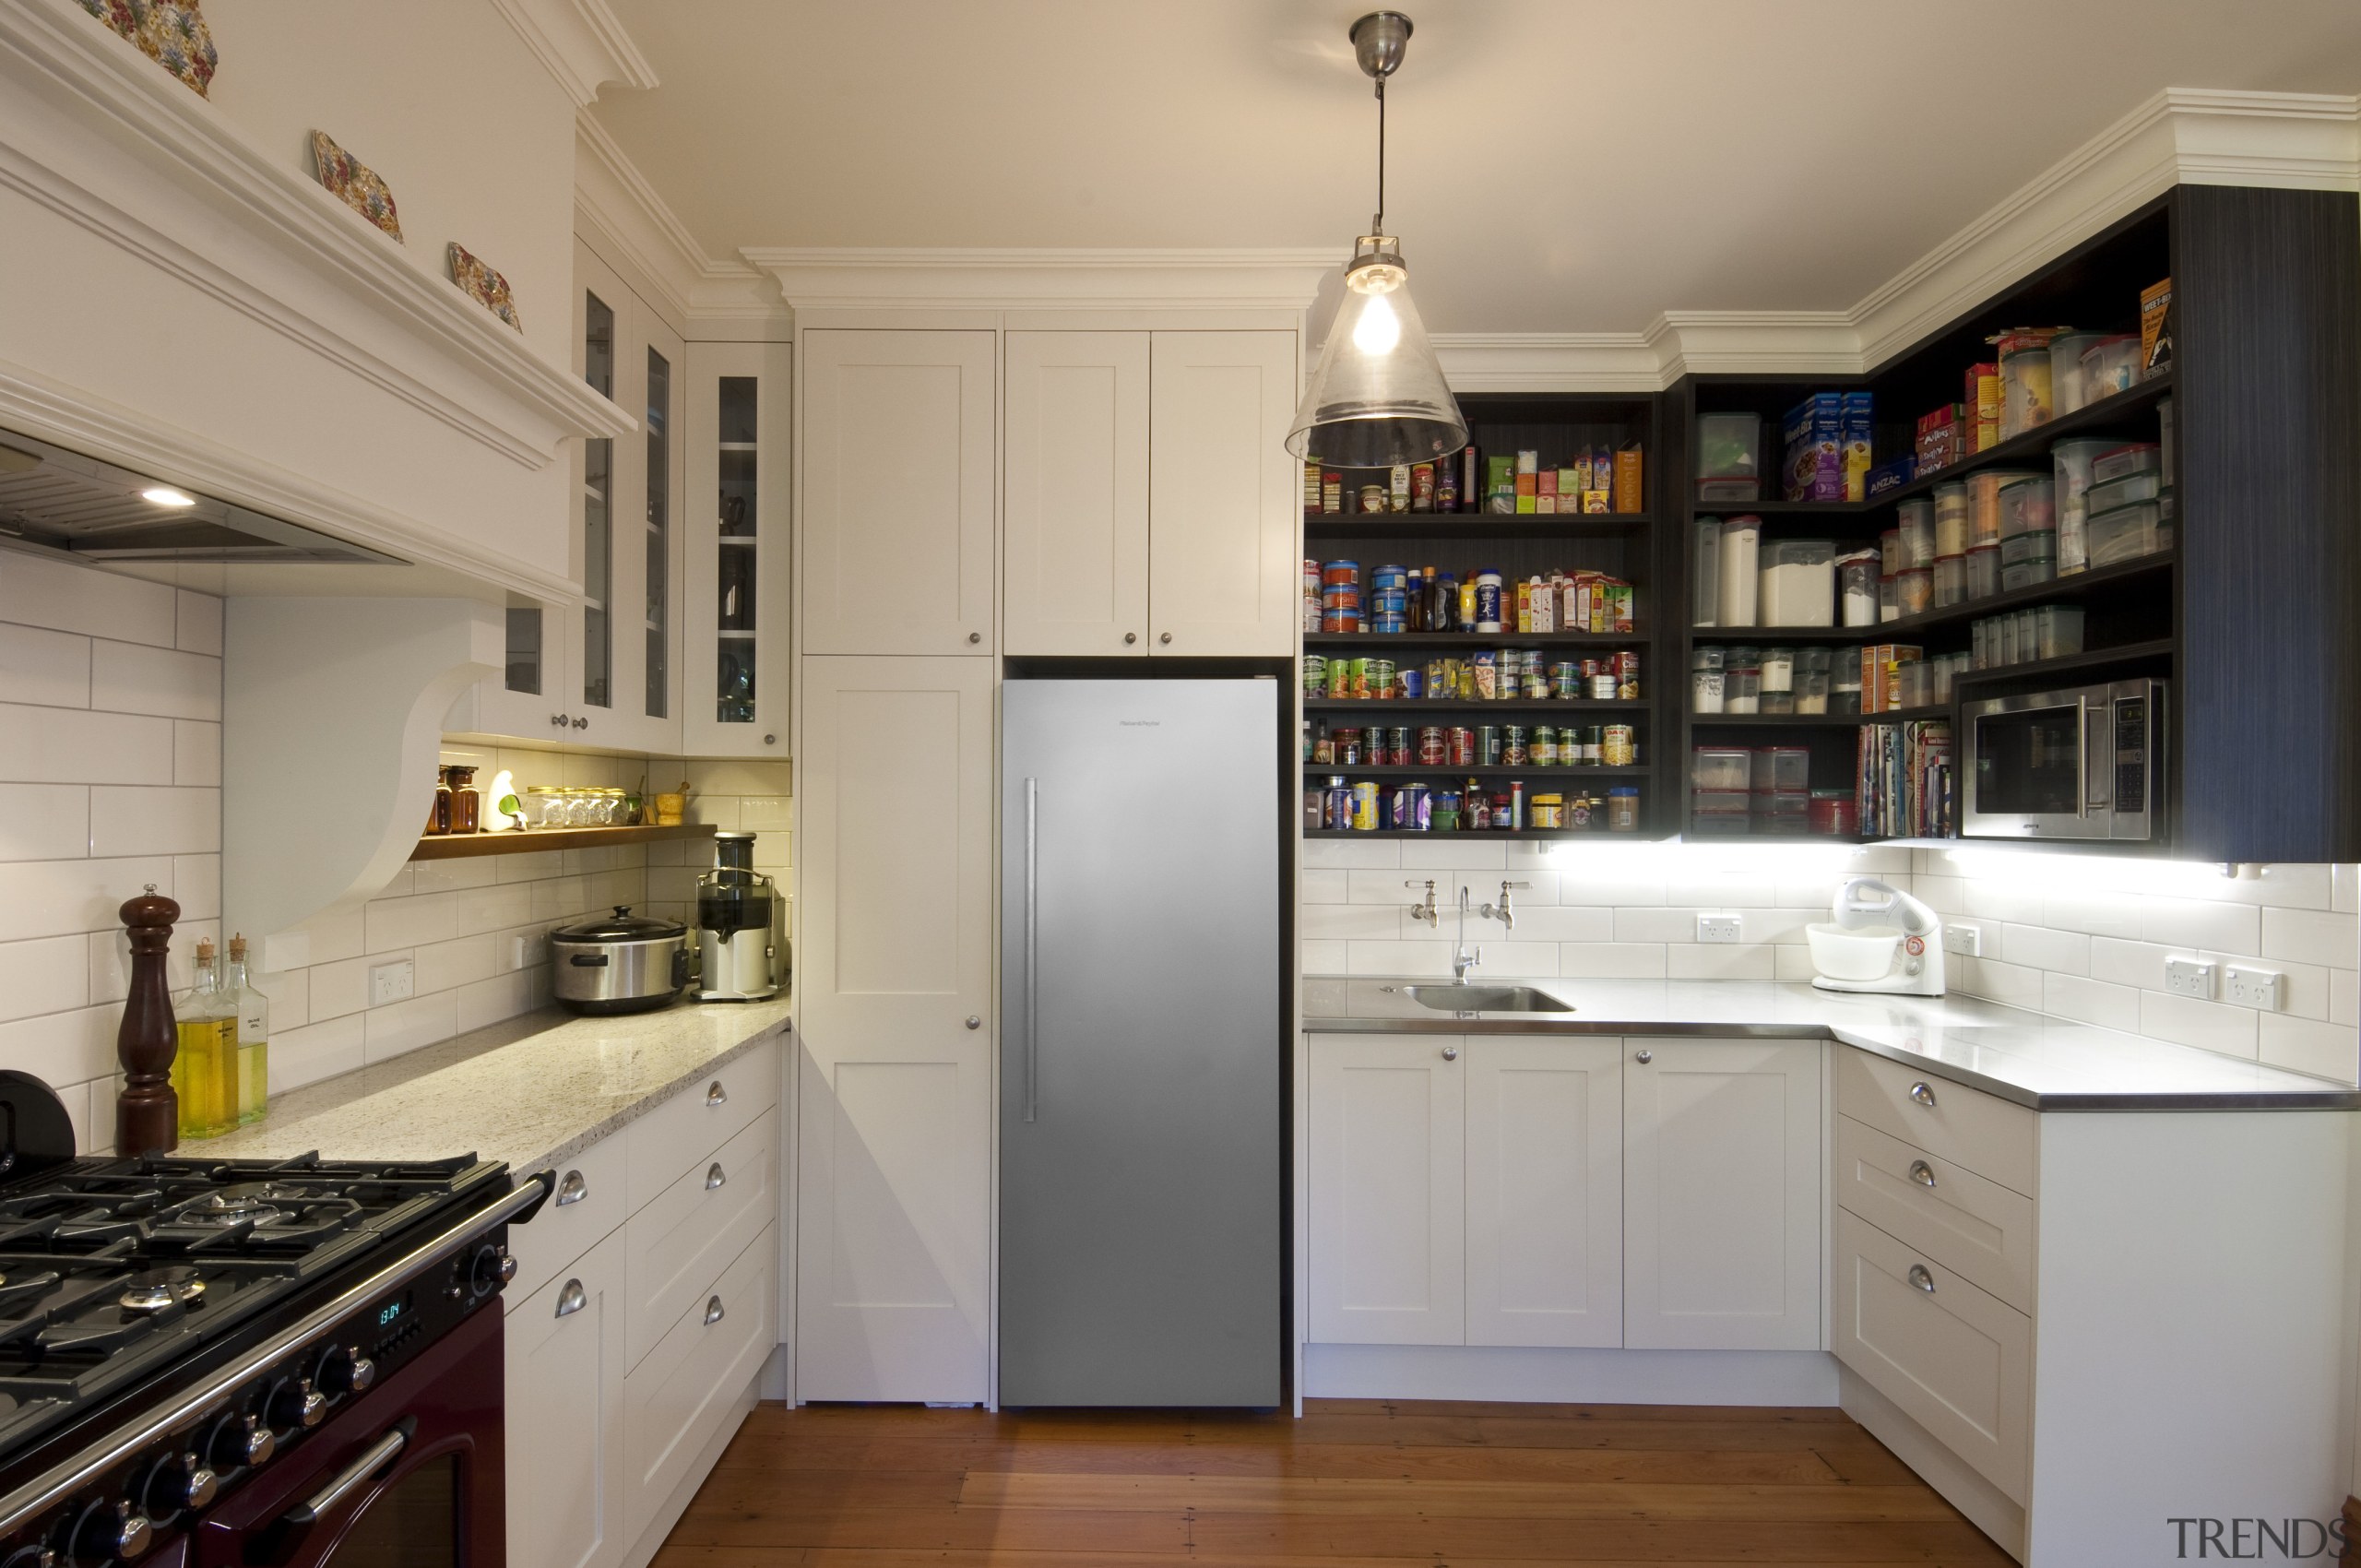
[[1377, 225]]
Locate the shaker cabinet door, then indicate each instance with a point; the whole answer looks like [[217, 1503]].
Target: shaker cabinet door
[[1224, 500], [1388, 1199], [897, 453], [1545, 1190], [735, 674], [1074, 546], [563, 1356]]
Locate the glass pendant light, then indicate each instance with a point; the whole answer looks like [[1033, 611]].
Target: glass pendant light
[[1377, 398]]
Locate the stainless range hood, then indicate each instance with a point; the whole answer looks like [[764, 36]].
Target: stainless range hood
[[101, 513]]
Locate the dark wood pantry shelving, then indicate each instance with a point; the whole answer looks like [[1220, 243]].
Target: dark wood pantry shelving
[[1531, 773], [1484, 835], [1379, 645], [1475, 525], [1572, 709]]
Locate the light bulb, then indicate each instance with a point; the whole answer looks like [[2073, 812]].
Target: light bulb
[[1379, 329], [163, 496]]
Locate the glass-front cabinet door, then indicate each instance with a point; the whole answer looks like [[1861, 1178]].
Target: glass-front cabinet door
[[734, 679]]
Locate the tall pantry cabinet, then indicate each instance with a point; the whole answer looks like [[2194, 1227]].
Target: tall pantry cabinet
[[968, 491]]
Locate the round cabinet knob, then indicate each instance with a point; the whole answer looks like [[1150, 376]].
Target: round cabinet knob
[[974, 1022], [1130, 638], [770, 740], [559, 721], [1166, 638], [1644, 1057], [1923, 1095], [1450, 1053], [582, 723], [975, 636]]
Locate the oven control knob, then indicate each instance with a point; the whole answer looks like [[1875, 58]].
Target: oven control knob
[[239, 1441], [334, 1373], [31, 1557], [110, 1533], [364, 1374], [493, 1268], [297, 1405], [178, 1481]]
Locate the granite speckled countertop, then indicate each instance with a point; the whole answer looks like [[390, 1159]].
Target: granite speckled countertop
[[529, 1090], [2031, 1058]]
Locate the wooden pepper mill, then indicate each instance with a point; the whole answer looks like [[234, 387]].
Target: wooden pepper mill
[[147, 1114]]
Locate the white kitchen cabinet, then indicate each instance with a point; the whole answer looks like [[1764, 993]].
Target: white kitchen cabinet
[[1075, 515], [1388, 1240], [564, 1370], [1721, 1172], [737, 559], [1545, 1190], [675, 1400], [1224, 500], [894, 943], [607, 672], [896, 478]]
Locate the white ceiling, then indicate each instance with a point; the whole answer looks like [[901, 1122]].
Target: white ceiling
[[1554, 165]]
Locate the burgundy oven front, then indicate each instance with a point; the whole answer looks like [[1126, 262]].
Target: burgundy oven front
[[407, 1475]]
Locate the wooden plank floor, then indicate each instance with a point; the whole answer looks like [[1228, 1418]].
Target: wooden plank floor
[[1354, 1484]]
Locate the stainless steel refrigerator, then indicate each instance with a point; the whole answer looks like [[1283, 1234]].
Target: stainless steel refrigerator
[[1141, 1192]]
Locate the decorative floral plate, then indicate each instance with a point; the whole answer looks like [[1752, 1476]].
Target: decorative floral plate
[[483, 285], [169, 33], [356, 184]]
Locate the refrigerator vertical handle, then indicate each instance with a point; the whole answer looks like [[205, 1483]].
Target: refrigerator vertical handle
[[1032, 947]]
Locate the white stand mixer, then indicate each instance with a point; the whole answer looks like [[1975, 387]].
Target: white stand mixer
[[1879, 939]]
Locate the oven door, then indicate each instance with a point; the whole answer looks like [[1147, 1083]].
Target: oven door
[[407, 1476], [2040, 767]]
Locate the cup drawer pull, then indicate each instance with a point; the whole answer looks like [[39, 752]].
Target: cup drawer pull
[[572, 1190], [1922, 1173], [1923, 1095], [1921, 1278], [573, 1299], [713, 1312], [717, 1177], [716, 1094]]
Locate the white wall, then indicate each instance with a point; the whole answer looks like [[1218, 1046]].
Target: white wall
[[110, 779]]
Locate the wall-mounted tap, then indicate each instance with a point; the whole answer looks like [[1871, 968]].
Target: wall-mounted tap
[[1502, 911], [1462, 960], [1424, 911]]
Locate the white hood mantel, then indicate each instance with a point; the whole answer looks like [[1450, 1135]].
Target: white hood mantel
[[166, 287]]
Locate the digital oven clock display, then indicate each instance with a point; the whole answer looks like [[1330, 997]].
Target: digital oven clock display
[[393, 1312]]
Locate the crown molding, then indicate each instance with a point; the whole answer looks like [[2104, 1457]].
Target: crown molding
[[2182, 135], [990, 277], [580, 43], [93, 131], [625, 218]]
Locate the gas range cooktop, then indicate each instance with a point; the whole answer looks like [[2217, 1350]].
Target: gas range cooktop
[[110, 1269]]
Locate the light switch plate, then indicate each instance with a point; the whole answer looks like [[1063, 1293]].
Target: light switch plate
[[2190, 977], [391, 982], [1718, 928], [1967, 941], [2255, 988]]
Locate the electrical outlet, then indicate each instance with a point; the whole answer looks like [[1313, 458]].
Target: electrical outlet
[[391, 982], [2255, 988], [1967, 941], [2190, 977], [1718, 928]]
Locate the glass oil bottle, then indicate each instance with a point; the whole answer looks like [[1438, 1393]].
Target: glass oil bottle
[[254, 1036], [204, 1069]]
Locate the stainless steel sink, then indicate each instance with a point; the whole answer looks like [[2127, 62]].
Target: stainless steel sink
[[1485, 999]]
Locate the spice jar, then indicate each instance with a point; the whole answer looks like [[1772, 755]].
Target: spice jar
[[1624, 809], [465, 806], [438, 810]]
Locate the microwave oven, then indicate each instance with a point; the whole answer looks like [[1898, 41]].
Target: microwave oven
[[2081, 765]]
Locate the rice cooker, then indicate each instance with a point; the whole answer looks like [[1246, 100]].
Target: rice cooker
[[619, 963]]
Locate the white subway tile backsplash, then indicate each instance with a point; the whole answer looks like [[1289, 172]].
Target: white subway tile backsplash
[[2137, 964], [1325, 957], [1691, 961], [2000, 982], [1612, 961], [66, 597], [1473, 857], [444, 876], [45, 975], [44, 822], [57, 898], [2311, 936], [315, 1052], [2306, 1045], [1431, 958], [2041, 948], [2344, 889], [47, 669], [1349, 854], [2094, 913], [446, 966], [1666, 925], [1554, 922], [401, 1026], [1356, 922], [71, 746], [405, 922], [1320, 886], [154, 820], [342, 987], [2198, 922], [2092, 1002], [197, 626], [196, 752], [335, 934], [491, 909], [197, 886], [2213, 1025], [2297, 887], [130, 678]]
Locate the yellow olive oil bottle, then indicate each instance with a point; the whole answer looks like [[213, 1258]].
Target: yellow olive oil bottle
[[205, 1070]]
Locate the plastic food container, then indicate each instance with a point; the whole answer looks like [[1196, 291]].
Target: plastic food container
[[2071, 462], [1845, 686], [2026, 507], [2139, 456], [1720, 767], [2143, 485], [2026, 394], [2057, 630], [1863, 953], [1914, 684], [1833, 812], [2019, 549], [1705, 679], [1984, 502], [1951, 519], [2069, 388], [1798, 583], [1983, 570], [2028, 574], [1778, 669], [1730, 446], [2125, 534], [1918, 530], [1781, 814], [1780, 770], [2110, 365], [1706, 594], [1857, 588], [1742, 681], [1913, 590], [1951, 582], [1720, 811]]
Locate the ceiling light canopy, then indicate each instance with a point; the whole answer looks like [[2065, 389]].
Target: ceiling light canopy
[[1377, 398]]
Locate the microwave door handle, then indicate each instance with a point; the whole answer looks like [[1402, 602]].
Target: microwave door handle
[[2098, 757]]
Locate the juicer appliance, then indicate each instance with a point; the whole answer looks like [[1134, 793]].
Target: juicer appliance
[[737, 947]]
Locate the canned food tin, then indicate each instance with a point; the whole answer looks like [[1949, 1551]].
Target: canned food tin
[[1337, 810], [1620, 746], [1432, 750], [1409, 684], [1315, 675], [1602, 688], [1333, 621], [1513, 747], [1488, 745], [1348, 748], [1364, 807], [1378, 677], [1339, 573], [1412, 808], [1547, 811], [1537, 680], [1627, 675], [1543, 747], [1460, 747], [1386, 578], [1566, 678], [1397, 746], [1485, 666]]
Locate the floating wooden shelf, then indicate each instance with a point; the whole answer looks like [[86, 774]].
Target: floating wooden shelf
[[466, 846]]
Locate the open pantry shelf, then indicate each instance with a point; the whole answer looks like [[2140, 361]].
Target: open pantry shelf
[[1486, 835], [1411, 708], [2075, 587], [1530, 773], [1814, 720], [1473, 526], [533, 840], [1382, 643]]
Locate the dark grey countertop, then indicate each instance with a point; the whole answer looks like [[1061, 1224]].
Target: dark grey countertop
[[2029, 1058]]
